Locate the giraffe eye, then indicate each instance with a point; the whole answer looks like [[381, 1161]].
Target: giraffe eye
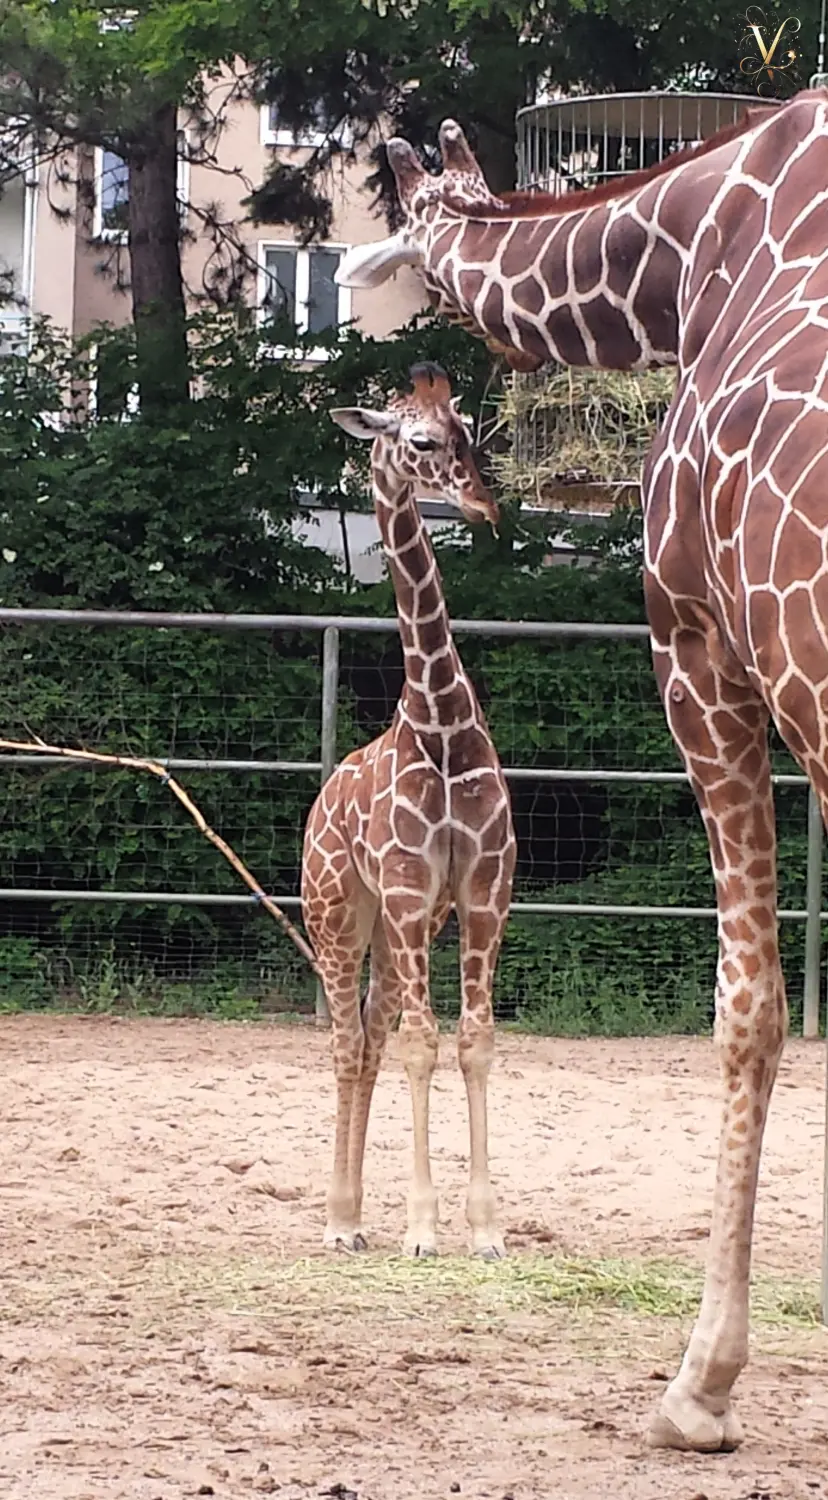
[[425, 444]]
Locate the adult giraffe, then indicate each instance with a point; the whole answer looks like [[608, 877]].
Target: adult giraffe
[[410, 823], [715, 261]]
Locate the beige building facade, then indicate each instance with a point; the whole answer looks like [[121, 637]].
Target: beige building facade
[[63, 251]]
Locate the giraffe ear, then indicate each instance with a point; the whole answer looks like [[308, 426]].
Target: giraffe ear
[[361, 422], [468, 422]]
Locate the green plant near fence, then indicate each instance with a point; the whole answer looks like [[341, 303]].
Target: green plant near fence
[[139, 515]]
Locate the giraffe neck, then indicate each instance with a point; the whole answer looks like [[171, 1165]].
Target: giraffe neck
[[600, 286], [437, 694]]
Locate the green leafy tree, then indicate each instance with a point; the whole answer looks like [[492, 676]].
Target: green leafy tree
[[479, 61], [84, 73]]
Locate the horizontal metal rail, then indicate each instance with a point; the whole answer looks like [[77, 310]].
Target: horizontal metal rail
[[172, 763], [368, 624], [517, 908], [512, 773]]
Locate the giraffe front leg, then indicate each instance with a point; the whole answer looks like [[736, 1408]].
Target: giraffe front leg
[[418, 1044], [407, 930], [482, 919], [721, 728]]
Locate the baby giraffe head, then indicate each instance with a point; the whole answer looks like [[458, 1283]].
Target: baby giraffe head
[[421, 443]]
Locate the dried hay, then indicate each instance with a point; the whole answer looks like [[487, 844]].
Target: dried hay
[[580, 427]]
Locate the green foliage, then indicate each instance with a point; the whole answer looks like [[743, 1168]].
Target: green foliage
[[196, 516], [480, 61], [24, 978], [91, 511]]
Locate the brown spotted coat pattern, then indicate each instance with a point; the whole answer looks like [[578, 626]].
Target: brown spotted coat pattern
[[411, 823]]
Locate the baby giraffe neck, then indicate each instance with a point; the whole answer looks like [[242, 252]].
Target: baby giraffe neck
[[433, 672]]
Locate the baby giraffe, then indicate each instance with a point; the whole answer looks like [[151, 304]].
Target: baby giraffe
[[418, 819]]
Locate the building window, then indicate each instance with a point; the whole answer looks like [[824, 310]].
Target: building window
[[111, 195], [111, 207], [298, 284], [276, 133]]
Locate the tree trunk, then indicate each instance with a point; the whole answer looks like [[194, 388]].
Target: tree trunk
[[158, 306], [496, 155], [500, 89]]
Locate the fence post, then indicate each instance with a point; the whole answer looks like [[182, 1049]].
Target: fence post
[[330, 695], [813, 904]]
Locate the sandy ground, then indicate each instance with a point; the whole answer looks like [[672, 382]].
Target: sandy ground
[[166, 1328]]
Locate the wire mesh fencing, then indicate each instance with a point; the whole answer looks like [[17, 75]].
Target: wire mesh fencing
[[112, 897]]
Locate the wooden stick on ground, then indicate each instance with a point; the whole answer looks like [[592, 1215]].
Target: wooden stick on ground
[[130, 763]]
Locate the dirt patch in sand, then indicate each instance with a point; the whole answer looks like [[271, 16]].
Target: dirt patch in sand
[[170, 1327]]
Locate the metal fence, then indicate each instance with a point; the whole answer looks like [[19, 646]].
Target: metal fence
[[331, 629]]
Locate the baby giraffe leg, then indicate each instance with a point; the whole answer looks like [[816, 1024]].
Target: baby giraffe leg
[[343, 1228], [379, 1012], [481, 933], [407, 927], [339, 914]]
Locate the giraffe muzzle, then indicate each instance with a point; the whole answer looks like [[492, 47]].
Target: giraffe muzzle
[[370, 265], [480, 507]]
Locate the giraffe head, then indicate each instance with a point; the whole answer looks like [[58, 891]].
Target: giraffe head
[[461, 183], [431, 203], [482, 257], [422, 195], [421, 443]]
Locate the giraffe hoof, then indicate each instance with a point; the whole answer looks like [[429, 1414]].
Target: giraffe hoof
[[684, 1423], [496, 1250], [419, 1249], [351, 1242]]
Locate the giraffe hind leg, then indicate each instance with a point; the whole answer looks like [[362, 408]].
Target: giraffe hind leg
[[339, 915], [380, 1009], [343, 1228]]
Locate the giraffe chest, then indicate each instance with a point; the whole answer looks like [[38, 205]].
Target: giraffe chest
[[404, 807]]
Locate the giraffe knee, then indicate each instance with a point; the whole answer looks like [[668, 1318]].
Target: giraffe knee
[[475, 1044], [348, 1055], [751, 1026], [419, 1041]]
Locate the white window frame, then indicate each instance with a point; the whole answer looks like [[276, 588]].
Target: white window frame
[[119, 22], [14, 331], [119, 236], [132, 403], [301, 140], [303, 254]]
